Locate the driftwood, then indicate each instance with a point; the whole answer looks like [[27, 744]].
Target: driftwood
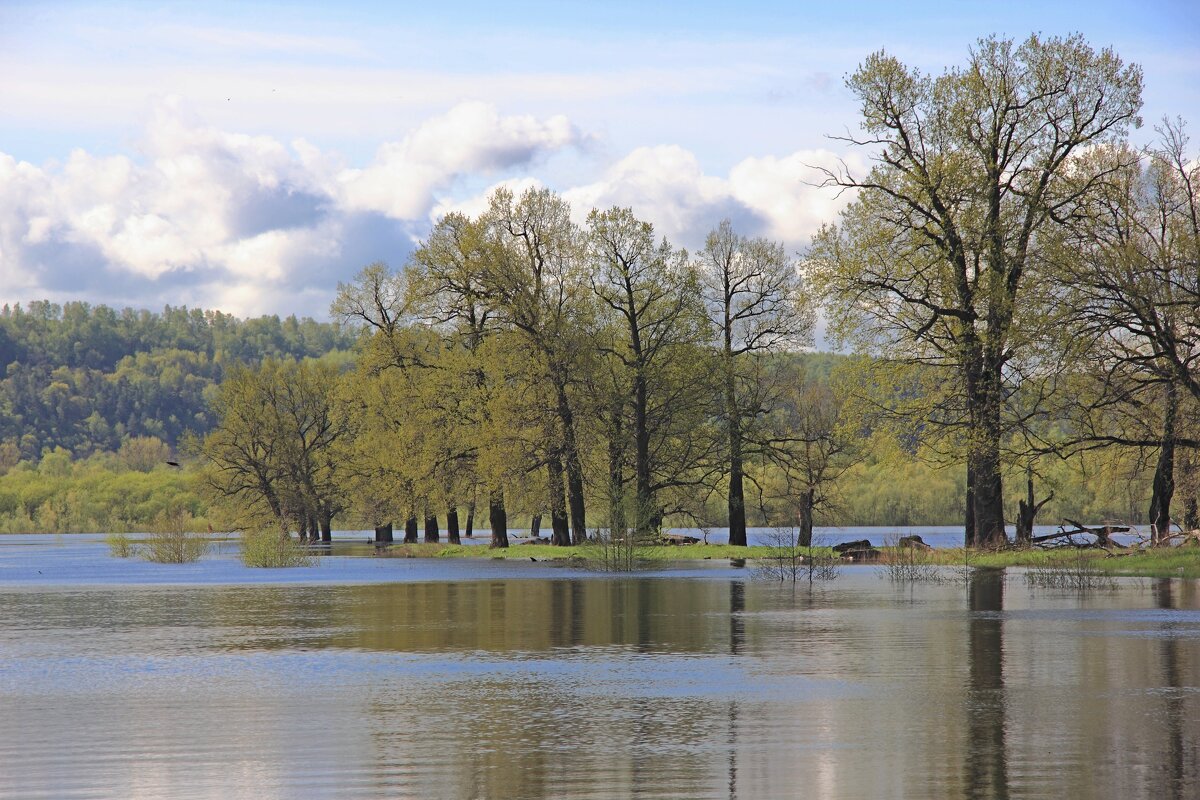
[[1065, 537], [914, 542], [678, 539]]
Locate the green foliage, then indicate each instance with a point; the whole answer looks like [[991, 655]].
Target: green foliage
[[271, 548], [171, 542], [120, 545], [96, 494], [88, 378]]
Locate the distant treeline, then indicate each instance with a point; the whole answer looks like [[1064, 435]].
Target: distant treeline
[[88, 378]]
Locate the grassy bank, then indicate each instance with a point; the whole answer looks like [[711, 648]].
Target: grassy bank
[[1179, 562]]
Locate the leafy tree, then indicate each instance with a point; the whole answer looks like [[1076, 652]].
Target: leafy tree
[[655, 332], [1130, 262], [752, 291], [933, 261]]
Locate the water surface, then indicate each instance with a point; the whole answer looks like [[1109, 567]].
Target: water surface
[[374, 678]]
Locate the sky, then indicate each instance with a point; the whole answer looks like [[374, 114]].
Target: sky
[[249, 156]]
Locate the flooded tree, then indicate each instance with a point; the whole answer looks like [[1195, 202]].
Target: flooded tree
[[753, 295], [934, 260]]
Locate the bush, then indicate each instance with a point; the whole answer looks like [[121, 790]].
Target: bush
[[174, 547], [120, 545], [910, 564], [787, 559], [270, 548], [171, 543], [1074, 572]]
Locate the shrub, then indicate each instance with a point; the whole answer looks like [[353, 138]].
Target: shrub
[[174, 547], [787, 559], [1074, 572], [120, 545], [171, 543], [271, 548]]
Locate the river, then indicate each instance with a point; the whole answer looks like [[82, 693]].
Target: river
[[440, 678]]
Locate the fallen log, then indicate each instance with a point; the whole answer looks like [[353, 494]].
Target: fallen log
[[861, 544], [1101, 535]]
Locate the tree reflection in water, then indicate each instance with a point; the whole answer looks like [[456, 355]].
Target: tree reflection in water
[[987, 756]]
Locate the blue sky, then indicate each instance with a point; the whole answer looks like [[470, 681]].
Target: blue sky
[[249, 156]]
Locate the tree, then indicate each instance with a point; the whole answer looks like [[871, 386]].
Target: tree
[[813, 446], [755, 305], [1131, 261], [275, 446], [932, 261], [656, 332]]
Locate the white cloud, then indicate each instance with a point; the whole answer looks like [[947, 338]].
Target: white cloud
[[237, 221], [251, 225], [470, 138], [768, 196]]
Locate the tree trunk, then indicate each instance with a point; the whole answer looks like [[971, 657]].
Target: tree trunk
[[1191, 514], [314, 530], [452, 526], [498, 518], [383, 533], [326, 523], [617, 523], [574, 467], [559, 525], [969, 522], [985, 455], [431, 529], [737, 495], [535, 526], [807, 501], [470, 532], [1026, 512], [410, 529], [1163, 486], [645, 512]]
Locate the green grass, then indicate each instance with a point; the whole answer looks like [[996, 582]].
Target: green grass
[[1183, 562]]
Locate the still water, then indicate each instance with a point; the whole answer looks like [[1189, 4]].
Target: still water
[[393, 678]]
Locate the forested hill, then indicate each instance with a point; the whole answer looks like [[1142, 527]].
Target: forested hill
[[87, 378]]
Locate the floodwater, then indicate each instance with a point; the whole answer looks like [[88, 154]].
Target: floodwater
[[407, 678]]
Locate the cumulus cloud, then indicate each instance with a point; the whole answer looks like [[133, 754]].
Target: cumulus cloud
[[250, 224], [245, 223], [471, 138], [774, 197]]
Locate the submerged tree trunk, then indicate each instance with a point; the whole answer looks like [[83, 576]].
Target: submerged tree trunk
[[452, 525], [560, 533], [1163, 486], [383, 533], [431, 529], [498, 518], [410, 529]]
